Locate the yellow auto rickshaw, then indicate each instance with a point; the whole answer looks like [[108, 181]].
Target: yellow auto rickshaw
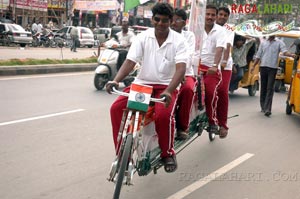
[[285, 64], [293, 99], [250, 80]]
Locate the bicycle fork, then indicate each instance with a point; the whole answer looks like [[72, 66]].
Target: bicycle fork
[[129, 125]]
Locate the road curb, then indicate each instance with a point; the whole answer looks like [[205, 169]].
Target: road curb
[[44, 69]]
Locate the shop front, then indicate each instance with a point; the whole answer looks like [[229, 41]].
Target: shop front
[[25, 12], [95, 13]]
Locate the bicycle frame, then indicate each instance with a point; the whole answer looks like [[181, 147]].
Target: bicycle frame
[[137, 135]]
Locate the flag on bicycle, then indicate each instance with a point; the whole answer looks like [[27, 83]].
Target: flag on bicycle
[[139, 97], [129, 4]]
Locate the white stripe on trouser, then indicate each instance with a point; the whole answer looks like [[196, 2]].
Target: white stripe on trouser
[[170, 125], [214, 106]]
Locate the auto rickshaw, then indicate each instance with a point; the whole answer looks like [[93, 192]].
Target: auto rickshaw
[[285, 64], [293, 99], [250, 80]]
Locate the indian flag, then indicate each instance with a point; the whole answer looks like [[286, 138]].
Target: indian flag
[[139, 97], [129, 4]]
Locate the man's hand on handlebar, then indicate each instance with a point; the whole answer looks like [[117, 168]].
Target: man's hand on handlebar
[[110, 85], [168, 97]]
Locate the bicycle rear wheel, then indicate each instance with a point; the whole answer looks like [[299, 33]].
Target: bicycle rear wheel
[[123, 165]]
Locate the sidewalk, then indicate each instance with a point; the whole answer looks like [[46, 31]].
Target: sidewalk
[[7, 53]]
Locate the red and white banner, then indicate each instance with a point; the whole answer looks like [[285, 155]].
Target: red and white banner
[[97, 5], [31, 4]]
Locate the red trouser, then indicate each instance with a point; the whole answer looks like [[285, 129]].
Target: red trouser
[[184, 102], [212, 83], [223, 98], [164, 122]]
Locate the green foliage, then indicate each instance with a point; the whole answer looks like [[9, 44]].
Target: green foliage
[[15, 62]]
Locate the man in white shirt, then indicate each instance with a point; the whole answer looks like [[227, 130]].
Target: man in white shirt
[[214, 43], [39, 27], [34, 27], [226, 71], [162, 54], [125, 38], [186, 93]]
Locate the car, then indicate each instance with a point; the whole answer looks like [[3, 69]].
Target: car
[[115, 30], [15, 33], [102, 34], [138, 29], [86, 36]]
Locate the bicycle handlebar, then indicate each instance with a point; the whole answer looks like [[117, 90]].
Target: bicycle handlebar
[[117, 92]]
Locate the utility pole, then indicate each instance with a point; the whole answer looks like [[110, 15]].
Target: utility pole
[[67, 11], [14, 10]]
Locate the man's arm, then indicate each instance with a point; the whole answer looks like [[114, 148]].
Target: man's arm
[[226, 56], [256, 61], [217, 59], [125, 69], [177, 78]]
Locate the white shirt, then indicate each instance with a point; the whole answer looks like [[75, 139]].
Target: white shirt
[[190, 42], [215, 38], [157, 63], [125, 39], [39, 27], [230, 39]]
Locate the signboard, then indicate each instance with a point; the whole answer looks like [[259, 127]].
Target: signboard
[[97, 5], [31, 4], [4, 4], [60, 4]]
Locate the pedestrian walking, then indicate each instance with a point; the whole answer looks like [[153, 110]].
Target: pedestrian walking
[[267, 55], [74, 37]]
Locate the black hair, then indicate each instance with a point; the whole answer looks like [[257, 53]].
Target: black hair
[[163, 9], [225, 10], [238, 38], [181, 13], [210, 6]]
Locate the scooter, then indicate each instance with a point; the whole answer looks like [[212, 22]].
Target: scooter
[[108, 68]]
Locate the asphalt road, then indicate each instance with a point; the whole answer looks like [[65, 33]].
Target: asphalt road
[[55, 142]]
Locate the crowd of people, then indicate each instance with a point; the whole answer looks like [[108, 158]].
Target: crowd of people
[[165, 53]]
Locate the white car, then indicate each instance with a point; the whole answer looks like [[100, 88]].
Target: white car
[[86, 36], [15, 34], [102, 34]]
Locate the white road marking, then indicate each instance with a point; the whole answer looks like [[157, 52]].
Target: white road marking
[[203, 181], [43, 76], [40, 117]]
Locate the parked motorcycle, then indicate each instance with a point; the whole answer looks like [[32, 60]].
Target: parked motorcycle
[[109, 64], [46, 40]]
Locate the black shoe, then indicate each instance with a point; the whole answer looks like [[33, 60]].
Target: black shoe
[[213, 129], [268, 113], [182, 135]]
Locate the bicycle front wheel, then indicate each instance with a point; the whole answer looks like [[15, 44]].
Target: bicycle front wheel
[[123, 165]]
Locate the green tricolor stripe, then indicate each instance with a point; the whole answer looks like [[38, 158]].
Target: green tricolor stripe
[[137, 106]]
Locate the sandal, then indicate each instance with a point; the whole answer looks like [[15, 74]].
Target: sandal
[[170, 163], [223, 132]]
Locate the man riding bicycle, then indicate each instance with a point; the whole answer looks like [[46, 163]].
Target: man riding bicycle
[[163, 55]]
